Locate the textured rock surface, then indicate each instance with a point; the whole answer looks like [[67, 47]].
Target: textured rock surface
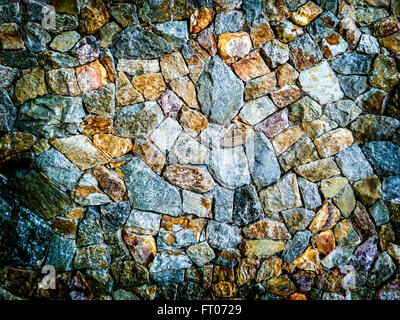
[[200, 150]]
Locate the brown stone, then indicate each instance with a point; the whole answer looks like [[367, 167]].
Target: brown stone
[[188, 177], [333, 142], [192, 121], [281, 285], [80, 151], [246, 270], [392, 42], [65, 226], [261, 33], [125, 93], [286, 139], [286, 95], [297, 296], [222, 273], [200, 19], [306, 13], [286, 74], [10, 37], [274, 124], [261, 86], [266, 229], [173, 66], [326, 218], [91, 76], [309, 261], [233, 46], [287, 32], [110, 183], [150, 85], [224, 289], [350, 32], [208, 41], [15, 142], [386, 27], [96, 124], [142, 247], [92, 17], [30, 85], [375, 103], [108, 64], [318, 170], [262, 248], [150, 154], [326, 242], [387, 236], [362, 222], [186, 90], [112, 145], [196, 61], [368, 190], [250, 67]]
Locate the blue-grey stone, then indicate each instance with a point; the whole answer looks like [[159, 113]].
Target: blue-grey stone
[[222, 236], [36, 193], [323, 26], [114, 215], [51, 116], [353, 85], [99, 281], [144, 222], [9, 12], [293, 5], [49, 60], [384, 157], [383, 269], [21, 59], [219, 92], [8, 112], [342, 112], [263, 164], [296, 246], [331, 5], [338, 257], [168, 277], [7, 77], [368, 45], [367, 16], [379, 212], [89, 228], [304, 53], [61, 253], [137, 42], [30, 237], [391, 189], [175, 32], [352, 63], [353, 163], [223, 204], [247, 207], [231, 21], [365, 254], [309, 192], [170, 261], [252, 9], [147, 191], [35, 37], [59, 169]]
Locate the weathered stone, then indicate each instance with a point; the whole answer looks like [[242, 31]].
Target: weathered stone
[[231, 21], [343, 112], [362, 223], [333, 45], [114, 215], [286, 74], [318, 170], [80, 151], [390, 189], [170, 103], [261, 33], [368, 190], [384, 73], [150, 154], [345, 200], [382, 270], [222, 236], [138, 67], [331, 186], [59, 169], [276, 53], [91, 76], [19, 59], [345, 234], [285, 95], [333, 142], [124, 13], [266, 228], [201, 253], [250, 67], [326, 242], [65, 41], [287, 31], [274, 124], [186, 90], [63, 81], [110, 183], [229, 166], [379, 213], [95, 125], [257, 110], [306, 13], [323, 26], [392, 42], [260, 86], [173, 66], [318, 127], [269, 268], [304, 110], [326, 218], [143, 222], [321, 83], [282, 195], [224, 289], [137, 120], [196, 59], [297, 219], [86, 50], [10, 37], [372, 127], [129, 274], [233, 46], [15, 142], [368, 45], [296, 246], [92, 17], [223, 204], [150, 85], [352, 63], [142, 247], [32, 84], [175, 32], [367, 16], [61, 253], [263, 165], [212, 136], [384, 157], [125, 93], [187, 150], [281, 285], [88, 193], [166, 134], [208, 41], [353, 85], [137, 42], [200, 19], [304, 53], [197, 204], [107, 33], [309, 261], [7, 76], [193, 122]]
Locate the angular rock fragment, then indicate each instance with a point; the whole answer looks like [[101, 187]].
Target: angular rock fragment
[[222, 236]]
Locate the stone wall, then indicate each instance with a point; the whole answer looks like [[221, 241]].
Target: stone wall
[[200, 149]]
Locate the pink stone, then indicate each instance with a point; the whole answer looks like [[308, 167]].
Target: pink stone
[[91, 76], [274, 124], [170, 103]]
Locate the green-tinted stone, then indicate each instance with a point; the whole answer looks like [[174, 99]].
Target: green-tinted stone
[[65, 41]]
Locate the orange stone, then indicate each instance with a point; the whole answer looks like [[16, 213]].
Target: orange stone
[[286, 139], [91, 76], [306, 13], [285, 96], [224, 289], [326, 218], [110, 183], [200, 19], [96, 124], [250, 67], [222, 273], [261, 86], [142, 247], [192, 121], [309, 261], [150, 85], [261, 33], [297, 296], [233, 46], [286, 74], [326, 242], [112, 145], [92, 17]]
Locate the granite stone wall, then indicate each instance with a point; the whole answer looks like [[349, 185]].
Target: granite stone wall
[[200, 149]]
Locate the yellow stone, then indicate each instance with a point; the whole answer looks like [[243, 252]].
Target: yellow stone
[[309, 261], [326, 218], [224, 289], [96, 124], [112, 145], [192, 121], [30, 85], [150, 85], [333, 142], [10, 37], [125, 93], [286, 139], [306, 13], [233, 46], [200, 19]]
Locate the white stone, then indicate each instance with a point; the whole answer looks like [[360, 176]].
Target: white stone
[[254, 111], [196, 203], [166, 134], [186, 150]]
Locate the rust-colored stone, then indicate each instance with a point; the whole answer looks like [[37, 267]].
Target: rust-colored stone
[[112, 145], [250, 67], [200, 19], [110, 183], [91, 76], [150, 85]]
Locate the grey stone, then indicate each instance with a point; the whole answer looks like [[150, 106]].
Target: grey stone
[[255, 111], [144, 222], [323, 26], [247, 207], [338, 257], [384, 157], [219, 92], [89, 228], [86, 50], [8, 112], [252, 9], [231, 21], [187, 150], [197, 204], [9, 12], [368, 45], [379, 213], [293, 5], [353, 85], [55, 60], [296, 246], [367, 16], [147, 191], [166, 134], [7, 76], [222, 236], [304, 110], [175, 32], [383, 269], [275, 52], [212, 136], [342, 112], [229, 166], [59, 169], [200, 253], [61, 253], [51, 116], [304, 53], [352, 63], [223, 204], [35, 37], [129, 274], [137, 42], [101, 101], [353, 163], [297, 219], [310, 194], [124, 13], [114, 215], [168, 277], [331, 5], [391, 189], [263, 164], [92, 257], [168, 261]]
